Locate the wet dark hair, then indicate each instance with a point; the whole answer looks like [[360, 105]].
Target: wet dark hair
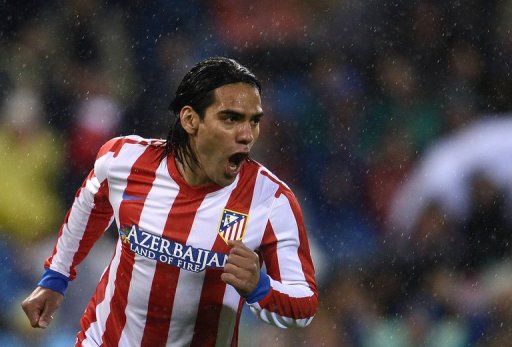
[[197, 90]]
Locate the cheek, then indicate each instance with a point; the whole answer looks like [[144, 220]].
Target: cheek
[[210, 145], [256, 133]]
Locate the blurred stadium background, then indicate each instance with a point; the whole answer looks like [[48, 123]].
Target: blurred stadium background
[[387, 118]]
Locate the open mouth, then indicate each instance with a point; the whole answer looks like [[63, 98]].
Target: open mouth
[[235, 163]]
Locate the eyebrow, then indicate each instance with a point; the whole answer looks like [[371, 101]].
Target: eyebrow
[[229, 112]]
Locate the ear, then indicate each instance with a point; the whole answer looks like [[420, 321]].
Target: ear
[[189, 120]]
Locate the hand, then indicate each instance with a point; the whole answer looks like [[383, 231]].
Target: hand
[[40, 305], [242, 269]]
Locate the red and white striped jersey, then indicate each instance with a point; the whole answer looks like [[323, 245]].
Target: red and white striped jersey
[[163, 286]]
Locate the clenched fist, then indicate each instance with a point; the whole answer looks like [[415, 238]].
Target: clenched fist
[[242, 269], [40, 305]]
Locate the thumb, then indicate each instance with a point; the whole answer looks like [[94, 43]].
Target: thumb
[[47, 315]]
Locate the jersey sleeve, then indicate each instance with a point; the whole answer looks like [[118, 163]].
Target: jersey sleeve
[[292, 299], [89, 216]]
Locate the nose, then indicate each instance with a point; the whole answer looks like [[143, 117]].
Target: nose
[[244, 134]]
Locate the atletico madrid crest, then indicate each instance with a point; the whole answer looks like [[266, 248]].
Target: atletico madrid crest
[[232, 225]]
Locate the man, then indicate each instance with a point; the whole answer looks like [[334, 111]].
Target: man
[[196, 218]]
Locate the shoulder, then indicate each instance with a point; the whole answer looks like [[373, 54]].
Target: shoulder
[[123, 151], [115, 145], [267, 183], [284, 207]]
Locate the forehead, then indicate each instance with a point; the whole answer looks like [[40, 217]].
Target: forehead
[[240, 97]]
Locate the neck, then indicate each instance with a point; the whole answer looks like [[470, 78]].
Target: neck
[[192, 173]]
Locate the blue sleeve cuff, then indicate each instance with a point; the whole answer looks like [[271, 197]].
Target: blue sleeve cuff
[[54, 280], [261, 290]]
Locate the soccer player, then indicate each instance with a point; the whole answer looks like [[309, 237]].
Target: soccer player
[[197, 218]]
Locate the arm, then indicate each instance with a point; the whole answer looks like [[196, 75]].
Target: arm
[[89, 216], [292, 299]]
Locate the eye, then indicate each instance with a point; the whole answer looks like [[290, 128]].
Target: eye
[[256, 120], [231, 118]]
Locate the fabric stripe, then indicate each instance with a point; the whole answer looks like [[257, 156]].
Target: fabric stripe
[[278, 320], [97, 326], [227, 316], [99, 220], [163, 288], [229, 233], [240, 228], [139, 183], [303, 252], [90, 312], [288, 306], [269, 252], [288, 231], [234, 338], [49, 261], [210, 305], [261, 207], [153, 217], [114, 145], [202, 235]]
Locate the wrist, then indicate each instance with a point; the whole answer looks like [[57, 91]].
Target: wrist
[[261, 290], [54, 280]]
